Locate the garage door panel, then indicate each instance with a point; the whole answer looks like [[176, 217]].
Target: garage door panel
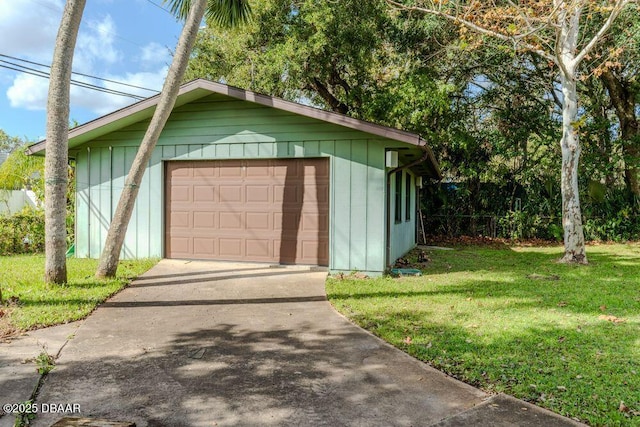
[[249, 210], [230, 247], [314, 222], [206, 220], [259, 248], [203, 246], [230, 169], [230, 193], [182, 193], [203, 193], [290, 169], [259, 221], [204, 170], [290, 192], [181, 219], [231, 221], [259, 168], [257, 194], [309, 249], [317, 194], [180, 245]]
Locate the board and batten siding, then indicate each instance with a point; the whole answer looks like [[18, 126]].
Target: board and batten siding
[[403, 233], [217, 128]]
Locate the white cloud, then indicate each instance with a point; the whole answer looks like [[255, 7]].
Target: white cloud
[[95, 45], [28, 92], [154, 54], [102, 103], [28, 27]]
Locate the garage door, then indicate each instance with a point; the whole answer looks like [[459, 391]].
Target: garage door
[[248, 210]]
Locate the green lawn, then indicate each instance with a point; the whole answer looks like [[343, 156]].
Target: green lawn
[[514, 320], [29, 303]]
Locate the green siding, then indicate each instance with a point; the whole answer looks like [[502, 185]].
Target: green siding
[[214, 128], [403, 233]]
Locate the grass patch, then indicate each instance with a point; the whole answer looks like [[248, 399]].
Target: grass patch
[[29, 303], [514, 320]]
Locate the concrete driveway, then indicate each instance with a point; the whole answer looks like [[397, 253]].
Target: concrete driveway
[[218, 344]]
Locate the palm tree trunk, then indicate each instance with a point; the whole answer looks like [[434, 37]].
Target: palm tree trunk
[[117, 230], [55, 169]]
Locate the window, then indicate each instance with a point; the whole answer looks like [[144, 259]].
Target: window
[[398, 197], [407, 199]]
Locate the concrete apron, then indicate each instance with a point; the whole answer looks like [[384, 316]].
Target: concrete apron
[[204, 343]]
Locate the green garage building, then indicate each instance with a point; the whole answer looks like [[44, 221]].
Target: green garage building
[[241, 176]]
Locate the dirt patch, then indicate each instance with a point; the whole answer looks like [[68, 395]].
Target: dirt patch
[[7, 329], [417, 258]]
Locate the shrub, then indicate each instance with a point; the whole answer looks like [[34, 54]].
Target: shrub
[[22, 233]]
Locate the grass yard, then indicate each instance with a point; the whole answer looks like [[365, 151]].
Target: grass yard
[[30, 304], [514, 320]]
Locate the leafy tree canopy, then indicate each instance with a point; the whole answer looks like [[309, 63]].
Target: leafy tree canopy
[[9, 143], [355, 58]]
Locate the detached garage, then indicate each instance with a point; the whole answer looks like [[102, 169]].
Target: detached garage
[[246, 177]]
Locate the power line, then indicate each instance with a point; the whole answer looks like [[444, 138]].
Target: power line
[[75, 72], [85, 85], [160, 7], [43, 74]]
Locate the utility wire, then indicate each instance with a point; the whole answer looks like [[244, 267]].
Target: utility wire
[[159, 7], [76, 73], [45, 75]]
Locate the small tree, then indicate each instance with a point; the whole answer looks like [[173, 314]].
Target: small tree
[[554, 31]]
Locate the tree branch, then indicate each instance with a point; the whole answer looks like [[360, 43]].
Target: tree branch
[[516, 40], [335, 104], [617, 8]]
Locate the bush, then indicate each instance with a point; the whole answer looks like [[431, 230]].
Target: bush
[[22, 233], [609, 214], [522, 225]]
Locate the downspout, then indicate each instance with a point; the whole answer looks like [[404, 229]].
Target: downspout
[[425, 155]]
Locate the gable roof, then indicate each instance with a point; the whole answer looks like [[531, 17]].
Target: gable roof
[[200, 88]]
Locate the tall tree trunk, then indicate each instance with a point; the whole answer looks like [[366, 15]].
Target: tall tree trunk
[[117, 230], [567, 42], [623, 99], [56, 159], [574, 245]]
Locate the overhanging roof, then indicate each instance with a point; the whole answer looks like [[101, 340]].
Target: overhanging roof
[[200, 88]]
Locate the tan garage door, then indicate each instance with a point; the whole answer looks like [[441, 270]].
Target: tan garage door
[[248, 210]]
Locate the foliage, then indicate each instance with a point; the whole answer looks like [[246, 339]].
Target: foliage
[[9, 143], [221, 13], [522, 212], [513, 320], [36, 304], [20, 171], [46, 362], [22, 233], [350, 57]]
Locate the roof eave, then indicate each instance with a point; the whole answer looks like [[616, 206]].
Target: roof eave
[[199, 88]]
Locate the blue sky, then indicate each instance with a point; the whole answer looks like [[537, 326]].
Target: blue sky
[[127, 41]]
